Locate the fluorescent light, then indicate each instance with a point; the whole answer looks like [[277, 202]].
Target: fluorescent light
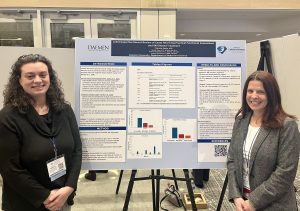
[[74, 38], [11, 39]]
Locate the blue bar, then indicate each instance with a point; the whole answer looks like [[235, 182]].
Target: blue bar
[[140, 123], [160, 64], [142, 48], [174, 132], [104, 63], [102, 128], [213, 140], [218, 65]]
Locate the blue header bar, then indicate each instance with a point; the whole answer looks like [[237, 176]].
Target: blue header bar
[[213, 140], [218, 65], [160, 64], [104, 63], [140, 48], [102, 128]]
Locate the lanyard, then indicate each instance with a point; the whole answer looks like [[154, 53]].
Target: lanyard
[[54, 146]]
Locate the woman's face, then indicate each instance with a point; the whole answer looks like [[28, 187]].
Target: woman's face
[[35, 79], [256, 97]]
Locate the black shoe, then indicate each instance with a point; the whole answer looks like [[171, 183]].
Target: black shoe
[[206, 179], [206, 175], [91, 175], [201, 185]]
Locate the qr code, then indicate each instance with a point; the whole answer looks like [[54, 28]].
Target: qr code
[[220, 150], [61, 166]]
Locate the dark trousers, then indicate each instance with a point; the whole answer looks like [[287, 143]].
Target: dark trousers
[[200, 175]]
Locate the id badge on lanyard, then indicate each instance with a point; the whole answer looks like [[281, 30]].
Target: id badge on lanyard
[[56, 166]]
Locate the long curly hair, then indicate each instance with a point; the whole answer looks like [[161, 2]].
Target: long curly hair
[[15, 95], [274, 114]]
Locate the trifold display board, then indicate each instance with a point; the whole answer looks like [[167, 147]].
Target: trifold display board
[[154, 104]]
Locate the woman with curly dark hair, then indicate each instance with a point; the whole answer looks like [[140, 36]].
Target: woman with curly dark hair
[[40, 146]]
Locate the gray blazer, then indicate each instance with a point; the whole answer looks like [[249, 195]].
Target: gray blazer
[[273, 165]]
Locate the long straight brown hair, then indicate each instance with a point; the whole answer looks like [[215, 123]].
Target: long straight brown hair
[[274, 114]]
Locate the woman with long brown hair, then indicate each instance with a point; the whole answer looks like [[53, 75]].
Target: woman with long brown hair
[[264, 149]]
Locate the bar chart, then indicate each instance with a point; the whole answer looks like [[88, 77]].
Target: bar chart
[[145, 121], [144, 147], [179, 130]]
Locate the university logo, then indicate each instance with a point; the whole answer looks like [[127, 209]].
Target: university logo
[[221, 49], [98, 47]]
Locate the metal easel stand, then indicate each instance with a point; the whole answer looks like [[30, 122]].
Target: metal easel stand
[[155, 179], [222, 193]]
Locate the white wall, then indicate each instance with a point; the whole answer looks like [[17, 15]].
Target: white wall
[[286, 65], [62, 61]]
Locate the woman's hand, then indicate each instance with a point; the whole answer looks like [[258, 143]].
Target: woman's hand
[[249, 206], [58, 198], [239, 204]]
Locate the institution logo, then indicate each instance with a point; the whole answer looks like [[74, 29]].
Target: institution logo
[[98, 47], [221, 49]]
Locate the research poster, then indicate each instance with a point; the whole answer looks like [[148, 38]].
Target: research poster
[[153, 104]]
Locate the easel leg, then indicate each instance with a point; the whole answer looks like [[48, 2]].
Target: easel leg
[[222, 193], [153, 188], [129, 190], [157, 189], [119, 181], [190, 189], [175, 180]]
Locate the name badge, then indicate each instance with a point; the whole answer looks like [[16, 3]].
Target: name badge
[[56, 167]]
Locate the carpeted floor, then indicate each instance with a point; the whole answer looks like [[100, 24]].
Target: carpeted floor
[[100, 195]]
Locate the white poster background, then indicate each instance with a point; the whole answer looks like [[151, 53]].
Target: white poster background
[[219, 97], [153, 70], [161, 86]]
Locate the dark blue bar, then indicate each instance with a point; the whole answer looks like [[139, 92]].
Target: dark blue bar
[[140, 48], [174, 132], [140, 123], [218, 65], [213, 140], [104, 63], [102, 128], [160, 64]]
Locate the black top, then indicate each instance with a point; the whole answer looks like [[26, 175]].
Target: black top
[[25, 147], [47, 118]]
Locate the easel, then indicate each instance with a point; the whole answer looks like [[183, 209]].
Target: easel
[[156, 187], [222, 193], [265, 57]]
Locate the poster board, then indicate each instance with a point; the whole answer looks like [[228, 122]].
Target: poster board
[[154, 104]]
